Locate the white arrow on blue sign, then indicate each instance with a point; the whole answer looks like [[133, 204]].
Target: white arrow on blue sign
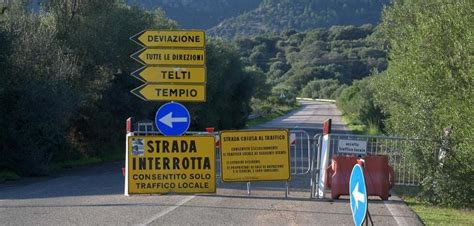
[[172, 119], [358, 195]]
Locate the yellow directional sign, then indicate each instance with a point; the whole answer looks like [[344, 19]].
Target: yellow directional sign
[[162, 74], [255, 155], [171, 92], [178, 39], [173, 57], [158, 164]]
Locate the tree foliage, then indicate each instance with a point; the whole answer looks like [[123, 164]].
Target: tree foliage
[[429, 88], [38, 92], [275, 16], [65, 90], [229, 89], [198, 14], [357, 102], [316, 63]]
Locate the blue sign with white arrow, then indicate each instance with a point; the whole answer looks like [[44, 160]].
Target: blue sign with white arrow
[[358, 195], [172, 119]]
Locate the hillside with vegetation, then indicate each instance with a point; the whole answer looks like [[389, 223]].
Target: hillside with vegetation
[[275, 16], [318, 63], [198, 14]]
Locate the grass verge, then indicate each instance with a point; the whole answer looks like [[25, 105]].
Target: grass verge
[[433, 215], [83, 161], [6, 175], [357, 127]]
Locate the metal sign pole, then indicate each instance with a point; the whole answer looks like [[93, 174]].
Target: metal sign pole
[[368, 212], [248, 188]]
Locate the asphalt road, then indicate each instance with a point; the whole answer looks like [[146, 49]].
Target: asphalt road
[[94, 196]]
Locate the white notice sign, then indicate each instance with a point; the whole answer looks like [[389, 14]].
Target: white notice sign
[[352, 147]]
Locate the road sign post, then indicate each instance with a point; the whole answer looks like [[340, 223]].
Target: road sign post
[[358, 195], [175, 65]]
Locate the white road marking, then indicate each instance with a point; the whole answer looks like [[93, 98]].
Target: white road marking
[[395, 213], [168, 210]]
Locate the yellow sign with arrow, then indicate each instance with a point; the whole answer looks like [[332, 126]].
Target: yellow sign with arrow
[[162, 74], [170, 39], [190, 57], [162, 92]]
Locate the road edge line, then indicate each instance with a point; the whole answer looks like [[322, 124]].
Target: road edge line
[[168, 210]]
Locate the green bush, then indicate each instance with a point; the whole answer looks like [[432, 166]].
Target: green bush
[[357, 103], [38, 94], [321, 89], [428, 92]]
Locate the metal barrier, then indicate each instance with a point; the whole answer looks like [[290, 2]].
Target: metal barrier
[[300, 153], [398, 150]]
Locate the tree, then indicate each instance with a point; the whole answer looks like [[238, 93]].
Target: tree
[[429, 87], [229, 89], [357, 103], [97, 32], [38, 93], [320, 89]]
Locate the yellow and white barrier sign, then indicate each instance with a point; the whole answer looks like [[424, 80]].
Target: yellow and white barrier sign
[[158, 164], [257, 155]]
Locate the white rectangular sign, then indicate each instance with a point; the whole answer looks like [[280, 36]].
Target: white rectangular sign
[[352, 147]]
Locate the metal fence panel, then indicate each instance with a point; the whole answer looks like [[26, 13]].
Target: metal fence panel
[[300, 153]]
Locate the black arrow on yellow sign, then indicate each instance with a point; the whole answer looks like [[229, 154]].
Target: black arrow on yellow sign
[[171, 57], [166, 74], [171, 92], [170, 38]]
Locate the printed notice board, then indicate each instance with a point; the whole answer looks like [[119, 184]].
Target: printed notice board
[[255, 155], [158, 164]]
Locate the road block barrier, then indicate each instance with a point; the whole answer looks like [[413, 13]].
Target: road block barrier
[[300, 153], [379, 175], [398, 151], [338, 174]]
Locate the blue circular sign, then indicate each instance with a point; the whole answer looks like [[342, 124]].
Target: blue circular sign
[[172, 119], [358, 195]]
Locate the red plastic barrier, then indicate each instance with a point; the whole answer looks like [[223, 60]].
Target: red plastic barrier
[[379, 176], [328, 176], [341, 167]]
